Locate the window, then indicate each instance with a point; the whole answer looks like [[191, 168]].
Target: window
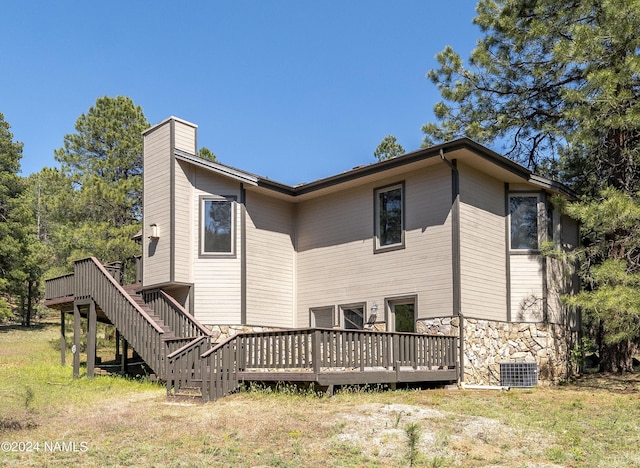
[[322, 317], [389, 217], [401, 314], [523, 213], [217, 233], [353, 317]]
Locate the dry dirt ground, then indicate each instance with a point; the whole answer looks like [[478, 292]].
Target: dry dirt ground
[[379, 430], [594, 422]]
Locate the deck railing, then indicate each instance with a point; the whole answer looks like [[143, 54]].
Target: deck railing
[[62, 286], [320, 349], [308, 350], [181, 322], [93, 281]]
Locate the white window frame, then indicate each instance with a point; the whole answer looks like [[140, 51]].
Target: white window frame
[[201, 226], [378, 247], [540, 221]]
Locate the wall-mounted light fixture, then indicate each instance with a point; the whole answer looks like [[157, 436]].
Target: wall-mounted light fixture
[[373, 315], [154, 232]]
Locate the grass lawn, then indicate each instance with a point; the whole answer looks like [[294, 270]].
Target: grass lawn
[[49, 419]]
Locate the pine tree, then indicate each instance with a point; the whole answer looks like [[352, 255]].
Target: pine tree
[[550, 80], [555, 85], [610, 272], [11, 229], [102, 162], [388, 148]]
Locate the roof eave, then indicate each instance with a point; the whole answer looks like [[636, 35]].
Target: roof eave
[[553, 186], [439, 150], [227, 171]]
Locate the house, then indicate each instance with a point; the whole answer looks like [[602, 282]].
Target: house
[[440, 242], [420, 243]]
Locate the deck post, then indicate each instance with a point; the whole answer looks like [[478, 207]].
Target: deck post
[[76, 341], [461, 350], [125, 354], [117, 344], [63, 340], [92, 330], [396, 349], [315, 351]]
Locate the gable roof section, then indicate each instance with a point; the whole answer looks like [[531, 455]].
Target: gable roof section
[[222, 169], [463, 149]]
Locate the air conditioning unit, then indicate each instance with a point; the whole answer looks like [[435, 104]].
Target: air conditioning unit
[[518, 374]]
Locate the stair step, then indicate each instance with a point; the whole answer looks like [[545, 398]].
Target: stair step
[[132, 291]]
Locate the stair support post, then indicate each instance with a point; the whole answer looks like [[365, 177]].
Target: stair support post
[[91, 336], [124, 364], [76, 340], [117, 344], [63, 340], [92, 330]]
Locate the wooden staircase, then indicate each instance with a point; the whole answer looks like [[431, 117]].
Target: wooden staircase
[[152, 322], [180, 350], [133, 290]]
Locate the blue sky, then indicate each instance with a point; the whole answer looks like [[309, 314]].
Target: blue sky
[[293, 90]]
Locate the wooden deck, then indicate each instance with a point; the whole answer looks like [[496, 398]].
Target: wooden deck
[[326, 357], [180, 350]]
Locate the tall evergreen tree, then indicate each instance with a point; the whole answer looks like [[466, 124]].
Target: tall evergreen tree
[[11, 229], [610, 260], [555, 84], [102, 162], [550, 78]]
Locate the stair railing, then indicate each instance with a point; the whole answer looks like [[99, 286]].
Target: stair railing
[[185, 365], [93, 281], [220, 366], [181, 322]]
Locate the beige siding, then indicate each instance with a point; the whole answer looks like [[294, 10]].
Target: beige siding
[[185, 137], [157, 196], [556, 286], [184, 196], [217, 290], [270, 261], [336, 260], [526, 288], [483, 263]]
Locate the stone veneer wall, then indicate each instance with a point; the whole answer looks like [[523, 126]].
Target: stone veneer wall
[[488, 343], [220, 333]]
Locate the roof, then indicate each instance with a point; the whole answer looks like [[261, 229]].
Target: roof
[[463, 149]]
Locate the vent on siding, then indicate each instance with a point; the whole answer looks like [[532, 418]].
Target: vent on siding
[[518, 374]]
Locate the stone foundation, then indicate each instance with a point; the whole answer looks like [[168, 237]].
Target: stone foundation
[[488, 343], [220, 333]]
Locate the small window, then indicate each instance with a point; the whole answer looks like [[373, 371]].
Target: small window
[[389, 214], [322, 317], [401, 314], [523, 213], [353, 317], [217, 236]]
